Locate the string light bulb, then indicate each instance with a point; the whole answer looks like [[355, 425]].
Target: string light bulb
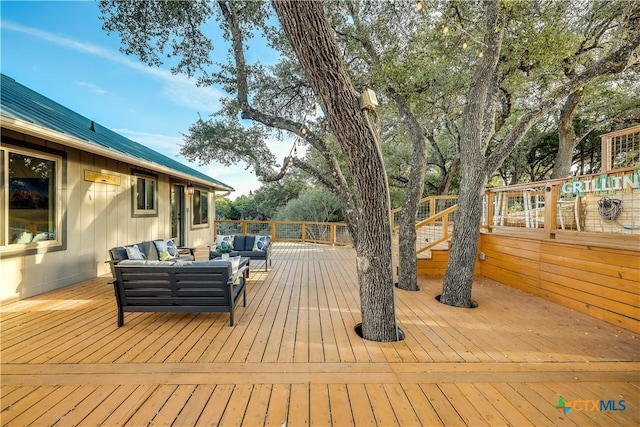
[[314, 111], [480, 55], [445, 30], [419, 5], [464, 45], [303, 130], [299, 142]]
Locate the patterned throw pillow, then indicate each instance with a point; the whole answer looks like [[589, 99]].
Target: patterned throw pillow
[[262, 243], [224, 244], [133, 252], [224, 238], [162, 247], [172, 248]]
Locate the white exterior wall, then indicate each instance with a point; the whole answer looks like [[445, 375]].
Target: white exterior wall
[[98, 217]]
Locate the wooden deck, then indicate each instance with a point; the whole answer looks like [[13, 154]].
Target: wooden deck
[[293, 358]]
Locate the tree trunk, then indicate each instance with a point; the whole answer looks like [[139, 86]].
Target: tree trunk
[[567, 137], [311, 37], [449, 175], [456, 289], [477, 130], [408, 277]]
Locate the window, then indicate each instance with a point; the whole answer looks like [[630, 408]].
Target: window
[[145, 195], [200, 207], [31, 198]]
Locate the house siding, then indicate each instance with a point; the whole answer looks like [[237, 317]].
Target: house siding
[[98, 217]]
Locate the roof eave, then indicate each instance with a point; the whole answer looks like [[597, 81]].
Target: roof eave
[[47, 134]]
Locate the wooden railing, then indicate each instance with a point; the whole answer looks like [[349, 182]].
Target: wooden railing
[[427, 207], [620, 149], [602, 208], [332, 233], [434, 221], [437, 229]]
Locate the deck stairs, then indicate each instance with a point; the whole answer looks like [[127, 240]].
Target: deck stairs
[[434, 228]]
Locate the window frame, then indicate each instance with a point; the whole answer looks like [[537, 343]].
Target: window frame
[[196, 205], [59, 158], [147, 177]]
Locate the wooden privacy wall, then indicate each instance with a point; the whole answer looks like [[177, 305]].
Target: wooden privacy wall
[[437, 264], [601, 282]]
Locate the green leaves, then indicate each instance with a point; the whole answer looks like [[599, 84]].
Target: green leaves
[[228, 142]]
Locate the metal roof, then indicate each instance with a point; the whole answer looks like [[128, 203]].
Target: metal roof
[[22, 103]]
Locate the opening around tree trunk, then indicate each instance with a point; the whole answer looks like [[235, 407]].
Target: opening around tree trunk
[[472, 303], [399, 333]]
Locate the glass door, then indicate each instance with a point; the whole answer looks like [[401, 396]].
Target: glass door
[[177, 213]]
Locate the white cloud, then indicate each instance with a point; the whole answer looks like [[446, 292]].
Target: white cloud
[[237, 176], [177, 88], [165, 144], [93, 88]]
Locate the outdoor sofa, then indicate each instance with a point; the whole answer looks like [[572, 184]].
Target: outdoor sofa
[[179, 286], [245, 245], [151, 250]]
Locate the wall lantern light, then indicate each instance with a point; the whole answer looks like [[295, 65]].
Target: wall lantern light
[[190, 189]]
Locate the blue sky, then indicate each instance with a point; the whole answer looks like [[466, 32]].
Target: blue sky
[[58, 48]]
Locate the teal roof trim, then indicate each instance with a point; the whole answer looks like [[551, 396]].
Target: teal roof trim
[[25, 104]]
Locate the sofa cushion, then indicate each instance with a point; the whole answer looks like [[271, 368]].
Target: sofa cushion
[[209, 263], [238, 242], [249, 254], [134, 252], [146, 262], [118, 253], [149, 250], [249, 241]]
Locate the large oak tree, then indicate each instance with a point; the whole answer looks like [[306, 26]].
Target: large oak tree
[[478, 163]]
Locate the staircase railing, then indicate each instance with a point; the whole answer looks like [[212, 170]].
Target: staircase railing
[[435, 230], [427, 207], [434, 221]]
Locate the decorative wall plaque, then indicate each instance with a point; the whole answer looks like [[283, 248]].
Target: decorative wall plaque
[[104, 178]]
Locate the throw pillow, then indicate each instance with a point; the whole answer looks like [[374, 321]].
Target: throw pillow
[[262, 243], [162, 247], [224, 243], [23, 237], [172, 248], [133, 252], [40, 237], [225, 238], [235, 265]]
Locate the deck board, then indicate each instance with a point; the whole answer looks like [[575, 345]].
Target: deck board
[[293, 357]]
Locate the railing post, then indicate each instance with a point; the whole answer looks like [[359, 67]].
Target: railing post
[[550, 209], [244, 227], [432, 207], [332, 234], [304, 232], [273, 231], [489, 218]]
